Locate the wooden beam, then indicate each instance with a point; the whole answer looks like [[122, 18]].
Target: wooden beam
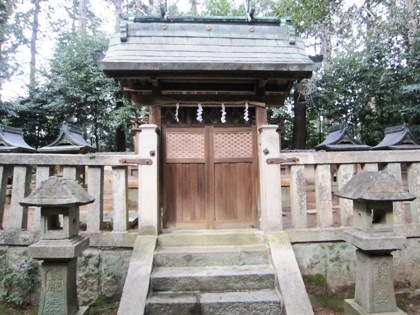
[[150, 100]]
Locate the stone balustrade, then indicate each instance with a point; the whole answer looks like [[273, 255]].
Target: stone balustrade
[[22, 173], [311, 212], [310, 180]]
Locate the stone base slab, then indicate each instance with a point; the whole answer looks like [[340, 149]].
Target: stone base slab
[[384, 241], [352, 308], [59, 249]]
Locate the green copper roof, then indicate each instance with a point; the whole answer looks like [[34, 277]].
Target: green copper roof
[[206, 44]]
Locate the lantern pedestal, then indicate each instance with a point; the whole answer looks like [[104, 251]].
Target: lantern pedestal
[[58, 272], [59, 291]]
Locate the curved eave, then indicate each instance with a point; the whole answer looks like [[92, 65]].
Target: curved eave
[[135, 68]]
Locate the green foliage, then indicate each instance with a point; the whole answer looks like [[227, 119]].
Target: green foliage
[[373, 86], [19, 284], [371, 79], [78, 92], [222, 8], [328, 302], [308, 16], [102, 305], [12, 26], [316, 280]]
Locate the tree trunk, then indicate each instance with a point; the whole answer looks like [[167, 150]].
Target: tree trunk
[[325, 46], [120, 136], [118, 4], [413, 23], [83, 5], [299, 125], [368, 17], [6, 10], [193, 4], [34, 39]]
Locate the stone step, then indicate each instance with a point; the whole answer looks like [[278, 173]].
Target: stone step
[[211, 237], [263, 302], [194, 256], [211, 279]]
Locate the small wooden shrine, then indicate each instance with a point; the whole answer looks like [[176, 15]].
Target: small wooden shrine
[[339, 139], [69, 140], [207, 82], [11, 140], [398, 138]]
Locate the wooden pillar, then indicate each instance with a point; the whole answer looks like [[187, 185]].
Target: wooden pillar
[[155, 116]]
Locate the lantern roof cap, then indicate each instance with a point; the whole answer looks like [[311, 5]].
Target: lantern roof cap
[[375, 186], [58, 192]]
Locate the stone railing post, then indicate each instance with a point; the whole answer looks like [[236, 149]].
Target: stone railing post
[[95, 210], [21, 182], [270, 181], [4, 172], [148, 184]]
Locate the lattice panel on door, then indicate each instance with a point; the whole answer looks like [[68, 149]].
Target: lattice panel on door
[[185, 145], [233, 145]]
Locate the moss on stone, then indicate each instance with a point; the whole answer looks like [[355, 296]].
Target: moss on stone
[[315, 280], [329, 302]]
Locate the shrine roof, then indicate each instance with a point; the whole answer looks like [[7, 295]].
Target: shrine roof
[[206, 44]]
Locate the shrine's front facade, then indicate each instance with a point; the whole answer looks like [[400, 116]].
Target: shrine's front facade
[[209, 167], [208, 83]]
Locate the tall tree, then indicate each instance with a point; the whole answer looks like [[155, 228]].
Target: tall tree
[[118, 10], [193, 4], [12, 37], [371, 83], [83, 15], [33, 43], [76, 91]]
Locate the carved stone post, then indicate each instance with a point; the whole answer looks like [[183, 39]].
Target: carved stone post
[[149, 216], [60, 244], [270, 181], [373, 194]]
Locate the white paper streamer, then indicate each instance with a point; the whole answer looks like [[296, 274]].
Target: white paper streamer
[[200, 113], [246, 114], [223, 118], [176, 112]]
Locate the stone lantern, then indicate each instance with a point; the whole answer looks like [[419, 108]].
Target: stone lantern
[[373, 194], [60, 243]]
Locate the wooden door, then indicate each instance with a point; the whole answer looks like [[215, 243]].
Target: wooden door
[[210, 177]]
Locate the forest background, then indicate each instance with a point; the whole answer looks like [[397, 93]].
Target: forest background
[[367, 76]]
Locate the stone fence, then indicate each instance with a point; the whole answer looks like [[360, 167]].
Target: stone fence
[[21, 173], [311, 211]]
